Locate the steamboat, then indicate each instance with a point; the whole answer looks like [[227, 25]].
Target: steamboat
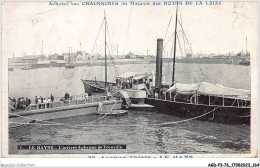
[[199, 100]]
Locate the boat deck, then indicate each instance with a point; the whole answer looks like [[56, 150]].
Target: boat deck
[[76, 103]]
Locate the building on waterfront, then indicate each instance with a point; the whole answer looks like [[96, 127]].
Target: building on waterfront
[[79, 56], [56, 57], [130, 56], [33, 58]]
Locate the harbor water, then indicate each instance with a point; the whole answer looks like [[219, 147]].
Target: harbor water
[[134, 129]]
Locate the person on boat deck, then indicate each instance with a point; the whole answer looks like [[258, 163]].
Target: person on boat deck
[[156, 95], [22, 103], [39, 102], [127, 83], [131, 84], [109, 95], [14, 100], [52, 98], [48, 102], [36, 100], [117, 82], [27, 101], [147, 84], [86, 96], [67, 96], [45, 102], [123, 84]]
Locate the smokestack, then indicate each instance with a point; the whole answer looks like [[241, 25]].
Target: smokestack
[[158, 77]]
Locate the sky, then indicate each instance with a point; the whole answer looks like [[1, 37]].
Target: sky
[[209, 29]]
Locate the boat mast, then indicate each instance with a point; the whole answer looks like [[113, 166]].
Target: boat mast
[[42, 48], [174, 54], [246, 45], [69, 55], [105, 49]]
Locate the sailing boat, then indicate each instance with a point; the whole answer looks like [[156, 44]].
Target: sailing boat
[[202, 100], [99, 87], [132, 87]]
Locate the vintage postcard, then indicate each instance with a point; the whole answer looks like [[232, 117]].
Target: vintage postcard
[[130, 79]]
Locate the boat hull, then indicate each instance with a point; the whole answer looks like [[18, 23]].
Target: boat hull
[[97, 87], [19, 118], [221, 114]]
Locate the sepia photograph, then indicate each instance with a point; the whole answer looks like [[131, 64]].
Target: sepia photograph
[[130, 79]]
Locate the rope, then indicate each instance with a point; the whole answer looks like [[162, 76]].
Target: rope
[[186, 119], [97, 36], [131, 125], [212, 116], [168, 27], [98, 119], [233, 102], [11, 107]]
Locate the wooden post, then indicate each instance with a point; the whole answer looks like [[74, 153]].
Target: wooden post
[[223, 101], [209, 99]]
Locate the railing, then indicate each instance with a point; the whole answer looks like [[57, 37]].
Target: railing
[[74, 101]]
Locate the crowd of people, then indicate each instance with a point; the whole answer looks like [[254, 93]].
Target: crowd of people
[[129, 82], [44, 102], [21, 102], [40, 102]]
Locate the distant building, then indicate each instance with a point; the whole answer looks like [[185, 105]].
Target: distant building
[[188, 55], [14, 60], [130, 56], [79, 56], [140, 56], [32, 58], [89, 57], [56, 57]]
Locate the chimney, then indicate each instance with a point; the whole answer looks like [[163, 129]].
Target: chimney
[[158, 77]]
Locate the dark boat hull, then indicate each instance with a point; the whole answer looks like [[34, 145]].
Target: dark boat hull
[[221, 114], [98, 87]]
